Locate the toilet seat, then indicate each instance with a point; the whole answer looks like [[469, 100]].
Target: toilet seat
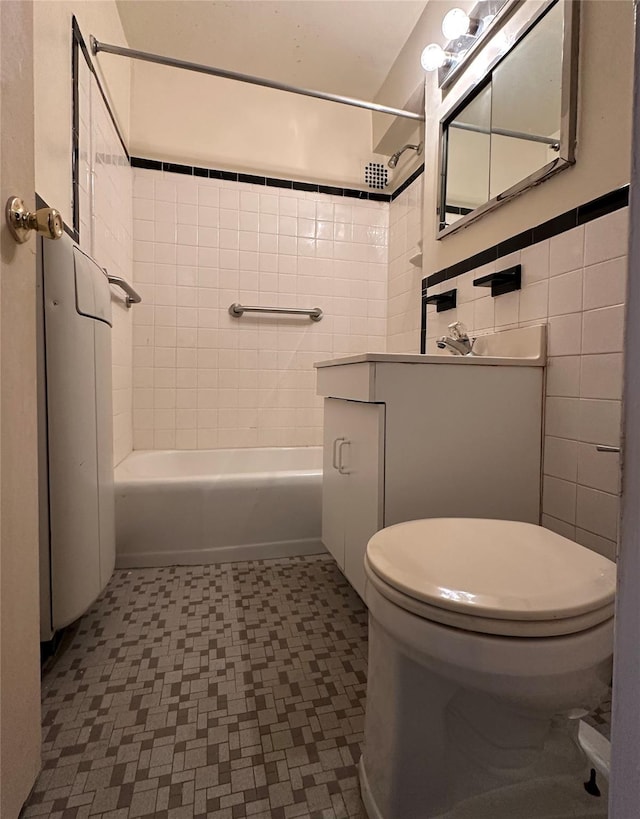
[[492, 576]]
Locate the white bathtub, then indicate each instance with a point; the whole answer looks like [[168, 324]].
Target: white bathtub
[[216, 506]]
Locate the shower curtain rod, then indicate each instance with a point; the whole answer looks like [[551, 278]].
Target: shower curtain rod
[[145, 56]]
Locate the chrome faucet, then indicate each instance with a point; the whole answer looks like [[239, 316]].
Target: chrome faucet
[[458, 342]]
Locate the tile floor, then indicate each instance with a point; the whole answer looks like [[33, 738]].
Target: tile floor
[[211, 691]]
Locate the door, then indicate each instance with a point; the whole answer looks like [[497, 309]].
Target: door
[[19, 598], [352, 482], [363, 460], [333, 483]]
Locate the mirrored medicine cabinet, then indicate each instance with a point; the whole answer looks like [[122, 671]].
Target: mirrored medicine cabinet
[[517, 126]]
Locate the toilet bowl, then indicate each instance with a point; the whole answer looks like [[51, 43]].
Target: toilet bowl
[[488, 640]]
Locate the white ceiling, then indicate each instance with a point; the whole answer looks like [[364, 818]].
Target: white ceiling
[[341, 46]]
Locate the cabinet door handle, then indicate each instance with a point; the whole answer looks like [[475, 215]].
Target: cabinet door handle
[[334, 459], [341, 445]]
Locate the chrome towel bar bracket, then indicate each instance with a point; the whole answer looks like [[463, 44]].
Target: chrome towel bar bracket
[[315, 313], [132, 296]]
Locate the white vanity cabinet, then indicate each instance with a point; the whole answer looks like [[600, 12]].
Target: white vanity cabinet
[[409, 437], [353, 482]]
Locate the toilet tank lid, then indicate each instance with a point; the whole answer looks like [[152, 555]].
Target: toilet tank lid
[[492, 568]]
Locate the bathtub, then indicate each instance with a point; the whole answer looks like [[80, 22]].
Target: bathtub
[[216, 506]]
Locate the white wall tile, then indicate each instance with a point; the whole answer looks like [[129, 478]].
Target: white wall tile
[[561, 527], [601, 376], [561, 458], [402, 307], [106, 220], [598, 470], [597, 512], [603, 330], [566, 251], [607, 548], [607, 237], [600, 422], [218, 381], [535, 263], [565, 293], [563, 376], [559, 499], [605, 283], [534, 301], [565, 335], [583, 307], [562, 417], [484, 313], [507, 309]]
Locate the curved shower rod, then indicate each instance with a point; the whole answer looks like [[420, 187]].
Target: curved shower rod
[[145, 56]]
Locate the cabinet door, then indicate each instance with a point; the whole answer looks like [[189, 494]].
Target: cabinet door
[[334, 485], [362, 458]]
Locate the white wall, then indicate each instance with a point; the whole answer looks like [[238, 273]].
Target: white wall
[[604, 128], [53, 94], [574, 283], [203, 379], [179, 116]]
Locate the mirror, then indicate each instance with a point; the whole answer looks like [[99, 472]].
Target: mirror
[[517, 127]]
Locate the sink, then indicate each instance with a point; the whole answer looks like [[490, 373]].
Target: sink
[[523, 342], [523, 346]]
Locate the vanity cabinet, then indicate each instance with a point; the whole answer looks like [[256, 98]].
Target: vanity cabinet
[[353, 482], [409, 437]]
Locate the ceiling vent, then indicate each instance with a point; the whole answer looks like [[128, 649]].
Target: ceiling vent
[[376, 175]]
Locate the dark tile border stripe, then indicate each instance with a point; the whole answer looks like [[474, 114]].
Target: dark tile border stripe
[[408, 181], [272, 182], [603, 205], [78, 45], [607, 203]]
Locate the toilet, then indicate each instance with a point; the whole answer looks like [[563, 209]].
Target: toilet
[[488, 640]]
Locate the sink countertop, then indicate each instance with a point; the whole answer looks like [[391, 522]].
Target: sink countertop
[[518, 347], [417, 358]]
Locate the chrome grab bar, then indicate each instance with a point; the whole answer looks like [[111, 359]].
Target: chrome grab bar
[[236, 310], [133, 297]]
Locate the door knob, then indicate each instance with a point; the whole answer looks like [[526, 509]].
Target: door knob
[[21, 221]]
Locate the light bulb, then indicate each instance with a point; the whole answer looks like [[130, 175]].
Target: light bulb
[[455, 24], [433, 57]]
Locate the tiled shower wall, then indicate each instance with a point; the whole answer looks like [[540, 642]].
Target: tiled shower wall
[[405, 235], [203, 379], [575, 282], [105, 210]]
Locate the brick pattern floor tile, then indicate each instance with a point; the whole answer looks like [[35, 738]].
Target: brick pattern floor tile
[[224, 692]]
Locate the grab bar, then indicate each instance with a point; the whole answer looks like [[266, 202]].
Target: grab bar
[[133, 297], [315, 313]]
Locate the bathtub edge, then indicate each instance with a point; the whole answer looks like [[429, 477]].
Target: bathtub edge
[[224, 554]]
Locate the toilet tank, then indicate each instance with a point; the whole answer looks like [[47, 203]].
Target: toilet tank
[[75, 430]]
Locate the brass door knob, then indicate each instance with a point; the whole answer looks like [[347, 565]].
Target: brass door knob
[[21, 221]]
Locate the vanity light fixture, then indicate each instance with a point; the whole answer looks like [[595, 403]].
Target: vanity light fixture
[[434, 57], [456, 23], [463, 32]]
